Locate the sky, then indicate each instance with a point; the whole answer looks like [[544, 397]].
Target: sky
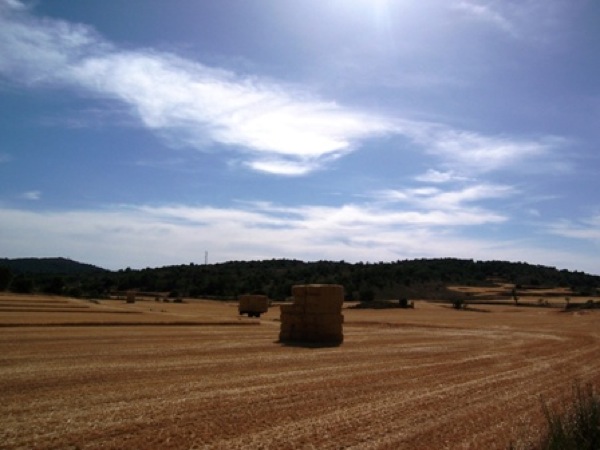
[[146, 133]]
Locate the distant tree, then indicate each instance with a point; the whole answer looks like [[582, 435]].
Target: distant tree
[[74, 291], [54, 286], [21, 285], [5, 278], [367, 295], [458, 303]]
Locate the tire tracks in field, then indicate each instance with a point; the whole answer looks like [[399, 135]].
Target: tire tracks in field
[[368, 422], [385, 388]]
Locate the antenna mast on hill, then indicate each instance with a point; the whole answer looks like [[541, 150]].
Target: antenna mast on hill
[[205, 258]]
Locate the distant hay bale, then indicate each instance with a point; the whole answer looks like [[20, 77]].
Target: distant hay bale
[[130, 297], [253, 305], [315, 315]]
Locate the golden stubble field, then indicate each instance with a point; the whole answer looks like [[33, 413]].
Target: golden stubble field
[[78, 374]]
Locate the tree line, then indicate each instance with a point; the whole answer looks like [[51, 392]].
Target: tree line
[[421, 278]]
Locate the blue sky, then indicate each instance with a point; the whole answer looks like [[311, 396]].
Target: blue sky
[[146, 133]]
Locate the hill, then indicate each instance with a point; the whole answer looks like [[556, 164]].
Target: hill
[[48, 266], [420, 278]]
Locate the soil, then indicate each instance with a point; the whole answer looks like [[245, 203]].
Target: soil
[[112, 375]]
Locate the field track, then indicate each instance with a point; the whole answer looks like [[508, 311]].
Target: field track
[[77, 374]]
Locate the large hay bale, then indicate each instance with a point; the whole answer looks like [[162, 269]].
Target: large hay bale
[[315, 315], [291, 309], [323, 319], [295, 320]]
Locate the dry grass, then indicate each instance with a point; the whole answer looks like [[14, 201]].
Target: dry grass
[[432, 377]]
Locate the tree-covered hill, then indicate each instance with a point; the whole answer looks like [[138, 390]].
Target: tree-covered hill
[[48, 266], [385, 280], [46, 275]]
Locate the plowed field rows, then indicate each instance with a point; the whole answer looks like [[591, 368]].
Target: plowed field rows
[[193, 375]]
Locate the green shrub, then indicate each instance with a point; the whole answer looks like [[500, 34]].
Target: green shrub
[[458, 303], [578, 426]]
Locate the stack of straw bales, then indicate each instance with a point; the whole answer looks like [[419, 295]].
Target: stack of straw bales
[[315, 315]]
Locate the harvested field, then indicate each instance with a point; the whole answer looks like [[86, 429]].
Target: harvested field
[[191, 375]]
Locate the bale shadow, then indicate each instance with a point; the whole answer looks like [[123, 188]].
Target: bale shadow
[[306, 344]]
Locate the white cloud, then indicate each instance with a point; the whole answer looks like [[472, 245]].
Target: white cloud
[[465, 199], [194, 105], [436, 176], [11, 5], [142, 236], [31, 195], [274, 128], [486, 13], [586, 229], [514, 19], [139, 236], [466, 151], [282, 166]]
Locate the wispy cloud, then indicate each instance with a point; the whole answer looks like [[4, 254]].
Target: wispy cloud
[[463, 200], [466, 152], [142, 236], [486, 13], [31, 195], [514, 19], [270, 127], [279, 128], [437, 176], [586, 229]]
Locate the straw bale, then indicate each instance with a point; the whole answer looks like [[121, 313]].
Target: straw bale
[[291, 335], [284, 336], [315, 315], [319, 297], [290, 330], [286, 333], [295, 320], [253, 303], [300, 302], [324, 304], [299, 291], [291, 310], [323, 319], [286, 326], [325, 290]]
